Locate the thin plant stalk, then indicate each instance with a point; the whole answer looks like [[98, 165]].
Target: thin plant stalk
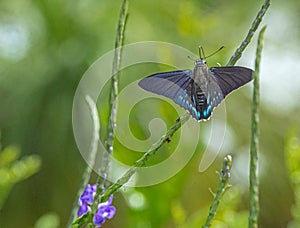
[[223, 185], [93, 150], [254, 179], [112, 119], [238, 53], [142, 161]]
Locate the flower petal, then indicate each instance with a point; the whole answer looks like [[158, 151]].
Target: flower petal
[[109, 201], [98, 219], [88, 194], [82, 209], [111, 211]]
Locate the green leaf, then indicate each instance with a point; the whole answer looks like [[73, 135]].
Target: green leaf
[[13, 171]]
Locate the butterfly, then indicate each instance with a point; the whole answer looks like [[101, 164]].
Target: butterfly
[[199, 90]]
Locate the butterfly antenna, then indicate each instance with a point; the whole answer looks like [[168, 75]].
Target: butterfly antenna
[[201, 51], [215, 51]]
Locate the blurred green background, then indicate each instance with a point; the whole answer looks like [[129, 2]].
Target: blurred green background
[[46, 46]]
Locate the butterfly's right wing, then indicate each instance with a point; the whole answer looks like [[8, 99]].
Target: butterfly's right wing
[[177, 85], [231, 77], [219, 83]]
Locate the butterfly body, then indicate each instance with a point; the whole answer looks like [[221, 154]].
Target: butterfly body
[[199, 90], [203, 85]]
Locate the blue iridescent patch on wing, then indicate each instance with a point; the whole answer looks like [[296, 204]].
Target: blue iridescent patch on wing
[[207, 112], [198, 115], [188, 104]]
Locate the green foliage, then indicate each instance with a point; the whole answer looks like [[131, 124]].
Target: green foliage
[[292, 158], [13, 171]]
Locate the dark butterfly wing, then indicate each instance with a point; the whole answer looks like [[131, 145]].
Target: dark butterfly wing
[[220, 81], [177, 85], [230, 78]]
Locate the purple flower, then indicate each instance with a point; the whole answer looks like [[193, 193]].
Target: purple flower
[[105, 211], [86, 199]]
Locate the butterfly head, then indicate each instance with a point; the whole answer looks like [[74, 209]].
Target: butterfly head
[[200, 62]]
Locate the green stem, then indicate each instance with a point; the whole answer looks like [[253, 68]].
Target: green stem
[[254, 180], [142, 161], [93, 150], [224, 177], [112, 119], [238, 53]]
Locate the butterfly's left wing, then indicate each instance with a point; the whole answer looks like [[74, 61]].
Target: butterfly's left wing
[[177, 85], [230, 78]]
